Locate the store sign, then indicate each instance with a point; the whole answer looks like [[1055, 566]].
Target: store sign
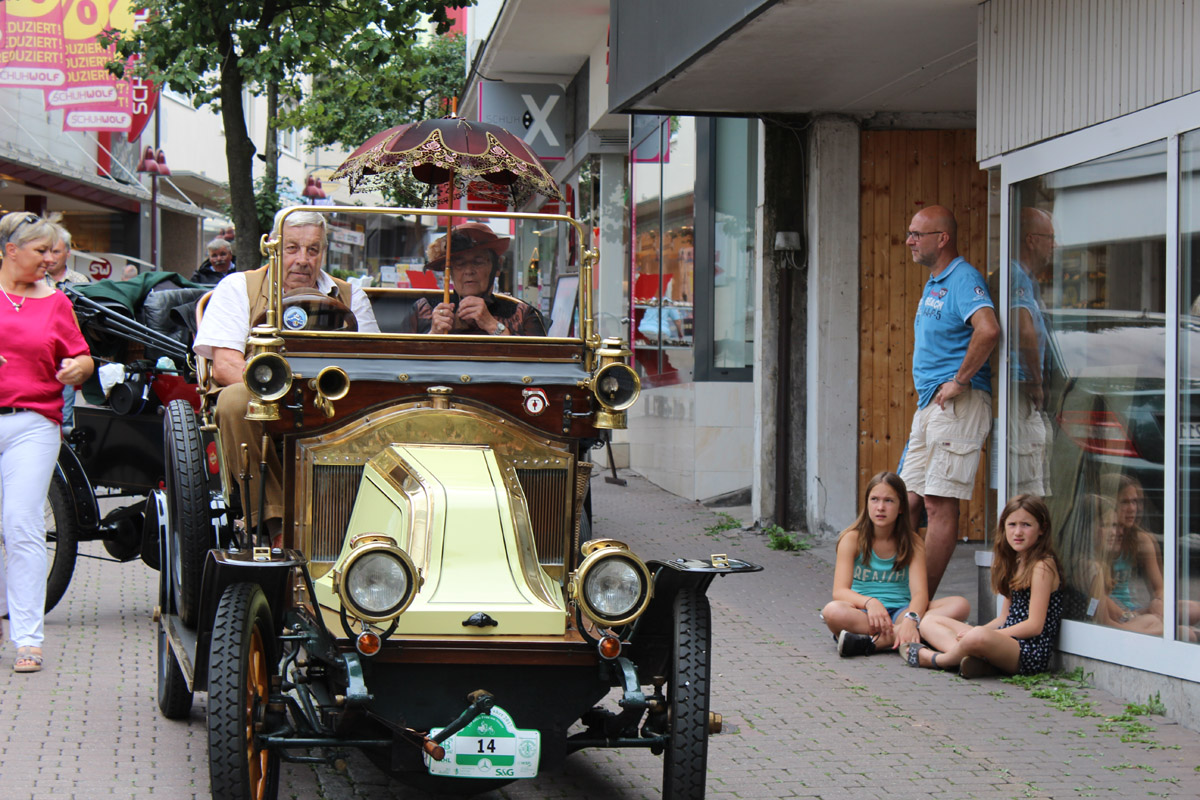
[[100, 269], [536, 113], [347, 236], [51, 45]]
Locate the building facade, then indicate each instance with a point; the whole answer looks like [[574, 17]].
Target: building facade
[[848, 118]]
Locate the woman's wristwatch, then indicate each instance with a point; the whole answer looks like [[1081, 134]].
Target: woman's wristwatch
[[913, 616]]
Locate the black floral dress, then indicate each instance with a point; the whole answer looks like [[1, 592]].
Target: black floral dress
[[1036, 650]]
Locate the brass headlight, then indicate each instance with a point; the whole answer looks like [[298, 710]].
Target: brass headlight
[[378, 580], [268, 376], [616, 386], [612, 585]]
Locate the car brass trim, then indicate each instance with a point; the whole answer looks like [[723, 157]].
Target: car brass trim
[[406, 370]]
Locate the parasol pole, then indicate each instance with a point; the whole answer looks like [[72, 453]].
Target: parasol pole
[[449, 239]]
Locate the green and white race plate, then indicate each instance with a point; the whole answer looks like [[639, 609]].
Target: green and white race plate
[[490, 747]]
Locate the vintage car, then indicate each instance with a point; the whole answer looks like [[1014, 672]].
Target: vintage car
[[439, 602]]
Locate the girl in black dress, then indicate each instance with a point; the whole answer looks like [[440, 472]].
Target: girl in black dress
[[1024, 570]]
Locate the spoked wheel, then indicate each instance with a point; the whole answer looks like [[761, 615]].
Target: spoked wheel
[[174, 697], [187, 501], [685, 760], [241, 663], [62, 539]]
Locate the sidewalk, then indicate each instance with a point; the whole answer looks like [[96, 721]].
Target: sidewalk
[[799, 721]]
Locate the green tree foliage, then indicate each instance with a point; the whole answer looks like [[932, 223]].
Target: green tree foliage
[[415, 84], [215, 50]]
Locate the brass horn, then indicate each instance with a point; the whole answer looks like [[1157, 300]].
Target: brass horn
[[331, 383]]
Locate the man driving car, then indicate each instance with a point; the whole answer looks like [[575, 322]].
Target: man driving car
[[236, 303]]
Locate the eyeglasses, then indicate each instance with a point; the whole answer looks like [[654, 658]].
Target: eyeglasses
[[918, 234], [29, 219]]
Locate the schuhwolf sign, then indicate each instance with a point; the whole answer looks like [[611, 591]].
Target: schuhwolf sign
[[534, 112]]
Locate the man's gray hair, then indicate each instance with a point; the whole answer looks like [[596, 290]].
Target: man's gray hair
[[304, 219], [219, 244], [64, 235]]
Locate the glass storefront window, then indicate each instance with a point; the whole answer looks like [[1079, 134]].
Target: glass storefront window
[[734, 190], [1086, 384], [663, 178], [1187, 550]]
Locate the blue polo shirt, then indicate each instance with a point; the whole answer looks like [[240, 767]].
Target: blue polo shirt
[[1024, 294], [942, 332]]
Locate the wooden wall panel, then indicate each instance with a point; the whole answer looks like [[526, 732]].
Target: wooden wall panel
[[901, 172]]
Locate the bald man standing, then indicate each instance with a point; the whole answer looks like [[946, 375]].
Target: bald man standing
[[956, 330]]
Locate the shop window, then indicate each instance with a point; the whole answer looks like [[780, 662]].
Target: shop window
[[1087, 343], [1187, 548], [662, 183], [726, 193]]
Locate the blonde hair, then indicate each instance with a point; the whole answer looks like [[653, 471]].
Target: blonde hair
[[23, 227]]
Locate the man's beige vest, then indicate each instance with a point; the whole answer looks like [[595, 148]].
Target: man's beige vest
[[258, 290]]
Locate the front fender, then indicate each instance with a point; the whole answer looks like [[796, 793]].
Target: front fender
[[651, 633], [225, 568]]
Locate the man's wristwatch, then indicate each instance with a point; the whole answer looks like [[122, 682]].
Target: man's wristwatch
[[961, 383], [913, 616], [500, 329]]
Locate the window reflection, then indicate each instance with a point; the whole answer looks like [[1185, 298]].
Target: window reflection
[[1087, 344], [663, 167], [1187, 550]]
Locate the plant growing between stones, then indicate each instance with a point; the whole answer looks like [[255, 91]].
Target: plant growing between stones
[[779, 539]]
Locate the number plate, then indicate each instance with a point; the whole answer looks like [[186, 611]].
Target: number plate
[[490, 747]]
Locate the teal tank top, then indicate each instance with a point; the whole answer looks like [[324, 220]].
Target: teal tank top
[[882, 581], [1122, 571]]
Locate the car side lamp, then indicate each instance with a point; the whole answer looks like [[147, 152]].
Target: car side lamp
[[615, 385], [267, 375]]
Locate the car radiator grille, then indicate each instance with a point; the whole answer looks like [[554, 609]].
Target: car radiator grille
[[548, 496], [334, 490]]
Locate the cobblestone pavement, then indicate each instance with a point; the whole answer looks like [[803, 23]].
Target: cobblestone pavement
[[800, 721]]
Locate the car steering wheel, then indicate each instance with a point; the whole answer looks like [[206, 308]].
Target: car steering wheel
[[309, 310]]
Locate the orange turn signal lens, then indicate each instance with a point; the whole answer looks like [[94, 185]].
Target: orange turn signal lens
[[610, 647], [368, 643]]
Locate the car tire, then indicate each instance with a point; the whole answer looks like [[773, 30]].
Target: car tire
[[62, 539], [187, 501], [242, 661], [685, 759], [174, 697]]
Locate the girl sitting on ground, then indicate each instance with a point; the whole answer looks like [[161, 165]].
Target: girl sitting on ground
[[880, 591], [1025, 571]]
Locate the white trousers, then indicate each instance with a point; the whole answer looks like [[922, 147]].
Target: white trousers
[[28, 451]]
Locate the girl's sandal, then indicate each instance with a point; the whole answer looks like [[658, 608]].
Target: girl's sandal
[[27, 660], [913, 657]]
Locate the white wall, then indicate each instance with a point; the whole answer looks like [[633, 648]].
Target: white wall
[[1054, 66], [695, 440]]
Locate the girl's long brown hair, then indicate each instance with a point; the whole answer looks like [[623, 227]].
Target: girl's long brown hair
[[905, 536], [1005, 575]]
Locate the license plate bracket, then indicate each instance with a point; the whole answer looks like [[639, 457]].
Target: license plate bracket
[[490, 746]]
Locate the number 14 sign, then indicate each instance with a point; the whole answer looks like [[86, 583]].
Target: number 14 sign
[[489, 747]]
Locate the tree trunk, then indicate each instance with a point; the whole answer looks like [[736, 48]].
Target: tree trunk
[[239, 155], [271, 173]]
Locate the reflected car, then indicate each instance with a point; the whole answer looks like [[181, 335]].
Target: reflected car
[[1106, 397]]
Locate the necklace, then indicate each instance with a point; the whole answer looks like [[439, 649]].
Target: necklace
[[16, 306]]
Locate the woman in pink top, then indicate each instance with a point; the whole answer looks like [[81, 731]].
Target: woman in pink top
[[41, 350]]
